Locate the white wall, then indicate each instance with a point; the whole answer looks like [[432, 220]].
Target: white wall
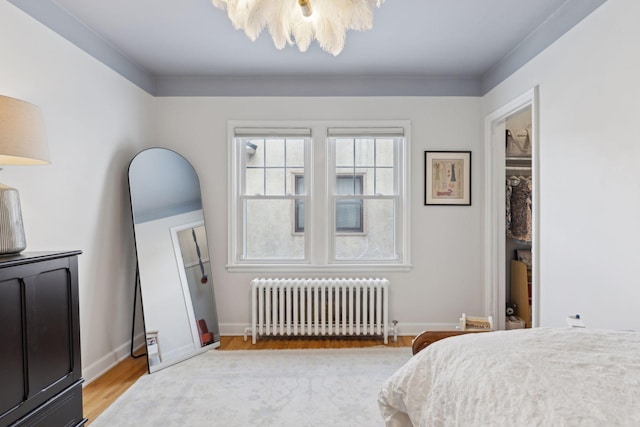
[[95, 122], [446, 241], [589, 98]]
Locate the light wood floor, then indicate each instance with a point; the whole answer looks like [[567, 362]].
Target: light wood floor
[[102, 392]]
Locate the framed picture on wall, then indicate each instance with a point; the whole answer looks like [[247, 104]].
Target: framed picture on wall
[[447, 178]]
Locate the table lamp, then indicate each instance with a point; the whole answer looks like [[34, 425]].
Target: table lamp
[[22, 142]]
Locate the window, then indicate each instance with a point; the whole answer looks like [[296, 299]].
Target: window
[[269, 164], [368, 156], [337, 200]]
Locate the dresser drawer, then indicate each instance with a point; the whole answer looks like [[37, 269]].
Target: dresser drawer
[[63, 410]]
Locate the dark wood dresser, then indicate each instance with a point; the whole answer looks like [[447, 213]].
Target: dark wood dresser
[[40, 369]]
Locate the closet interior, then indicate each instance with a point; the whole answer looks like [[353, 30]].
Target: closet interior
[[519, 218]]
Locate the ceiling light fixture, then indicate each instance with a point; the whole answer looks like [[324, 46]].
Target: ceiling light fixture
[[326, 21]]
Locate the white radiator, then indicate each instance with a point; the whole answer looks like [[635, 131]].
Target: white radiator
[[320, 307]]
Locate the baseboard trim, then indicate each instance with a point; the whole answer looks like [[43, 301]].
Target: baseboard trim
[[233, 329], [102, 365], [404, 329]]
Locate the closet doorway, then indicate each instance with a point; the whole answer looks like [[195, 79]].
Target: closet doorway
[[511, 194]]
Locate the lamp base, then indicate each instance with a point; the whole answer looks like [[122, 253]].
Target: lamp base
[[12, 240]]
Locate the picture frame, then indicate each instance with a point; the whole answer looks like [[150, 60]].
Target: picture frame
[[447, 178]]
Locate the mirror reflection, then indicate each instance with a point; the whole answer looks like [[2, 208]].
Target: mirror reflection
[[177, 295]]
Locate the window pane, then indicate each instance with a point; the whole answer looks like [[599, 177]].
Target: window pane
[[274, 153], [254, 181], [364, 152], [378, 243], [384, 181], [295, 153], [268, 231], [276, 185], [344, 152], [254, 149], [384, 152]]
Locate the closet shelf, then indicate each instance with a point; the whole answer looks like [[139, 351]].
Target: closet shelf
[[518, 163]]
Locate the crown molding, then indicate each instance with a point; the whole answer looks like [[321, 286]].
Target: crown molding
[[565, 18]]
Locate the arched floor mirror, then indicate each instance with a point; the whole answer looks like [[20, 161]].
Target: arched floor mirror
[[178, 301]]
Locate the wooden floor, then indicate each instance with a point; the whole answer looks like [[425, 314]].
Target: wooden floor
[[102, 392]]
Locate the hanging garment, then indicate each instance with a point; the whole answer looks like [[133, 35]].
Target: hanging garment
[[519, 208]]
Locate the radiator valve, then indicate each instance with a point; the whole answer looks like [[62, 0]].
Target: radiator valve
[[394, 330]]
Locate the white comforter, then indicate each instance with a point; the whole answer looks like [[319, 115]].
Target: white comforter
[[534, 377]]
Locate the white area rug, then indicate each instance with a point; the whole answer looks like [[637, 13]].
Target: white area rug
[[301, 388]]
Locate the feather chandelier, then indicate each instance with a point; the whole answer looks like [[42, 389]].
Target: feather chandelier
[[301, 21]]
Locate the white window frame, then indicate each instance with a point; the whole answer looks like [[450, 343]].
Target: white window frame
[[319, 185], [237, 197]]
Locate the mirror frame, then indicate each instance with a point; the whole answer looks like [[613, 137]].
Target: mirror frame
[[177, 255], [183, 276]]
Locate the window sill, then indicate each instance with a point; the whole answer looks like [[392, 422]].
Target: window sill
[[328, 268]]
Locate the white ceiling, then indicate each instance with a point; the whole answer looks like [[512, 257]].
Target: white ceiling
[[167, 45]]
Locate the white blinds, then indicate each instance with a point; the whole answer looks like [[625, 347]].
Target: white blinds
[[262, 132], [371, 132]]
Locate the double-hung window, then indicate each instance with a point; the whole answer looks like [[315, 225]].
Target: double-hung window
[[319, 195], [269, 160], [367, 176]]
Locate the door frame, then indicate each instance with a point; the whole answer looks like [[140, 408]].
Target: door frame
[[495, 252]]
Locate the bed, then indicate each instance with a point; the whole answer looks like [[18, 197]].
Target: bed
[[524, 377]]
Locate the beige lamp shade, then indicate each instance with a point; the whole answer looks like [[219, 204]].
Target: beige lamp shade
[[22, 136], [22, 142]]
